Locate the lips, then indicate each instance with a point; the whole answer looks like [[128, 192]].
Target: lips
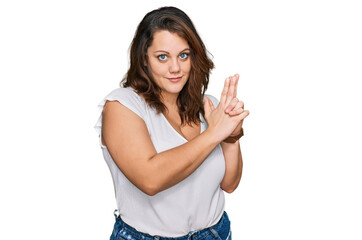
[[175, 79]]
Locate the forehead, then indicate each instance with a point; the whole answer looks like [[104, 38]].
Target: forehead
[[168, 41]]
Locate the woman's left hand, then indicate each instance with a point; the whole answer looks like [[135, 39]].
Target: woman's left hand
[[235, 107]]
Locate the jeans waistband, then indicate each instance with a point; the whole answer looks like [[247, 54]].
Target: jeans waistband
[[197, 234]]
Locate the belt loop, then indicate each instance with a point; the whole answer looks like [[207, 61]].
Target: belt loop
[[191, 234], [115, 213], [214, 233]]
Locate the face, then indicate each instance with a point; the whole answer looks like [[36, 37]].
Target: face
[[169, 62]]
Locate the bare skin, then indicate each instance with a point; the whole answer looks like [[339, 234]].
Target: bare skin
[[232, 151], [153, 172]]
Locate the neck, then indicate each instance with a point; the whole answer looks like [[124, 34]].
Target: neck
[[170, 100]]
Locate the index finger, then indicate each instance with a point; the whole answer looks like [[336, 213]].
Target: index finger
[[236, 84], [230, 94], [225, 90]]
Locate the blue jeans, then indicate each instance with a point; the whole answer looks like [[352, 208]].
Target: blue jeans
[[220, 231]]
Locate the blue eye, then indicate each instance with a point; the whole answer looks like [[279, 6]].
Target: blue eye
[[184, 55], [162, 57]]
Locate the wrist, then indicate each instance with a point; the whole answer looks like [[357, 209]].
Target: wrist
[[235, 138], [212, 136], [231, 144]]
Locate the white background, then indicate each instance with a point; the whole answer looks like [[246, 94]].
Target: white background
[[300, 64]]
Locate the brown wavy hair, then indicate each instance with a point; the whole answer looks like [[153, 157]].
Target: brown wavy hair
[[190, 98]]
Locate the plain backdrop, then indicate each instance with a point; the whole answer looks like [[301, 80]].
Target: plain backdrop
[[300, 66]]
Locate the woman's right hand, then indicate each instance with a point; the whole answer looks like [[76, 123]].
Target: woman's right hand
[[221, 124]]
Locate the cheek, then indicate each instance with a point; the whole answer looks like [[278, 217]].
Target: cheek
[[157, 68], [187, 67]]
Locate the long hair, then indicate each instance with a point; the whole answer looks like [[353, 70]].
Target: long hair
[[190, 98]]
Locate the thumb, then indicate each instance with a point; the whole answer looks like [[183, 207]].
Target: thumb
[[208, 105]]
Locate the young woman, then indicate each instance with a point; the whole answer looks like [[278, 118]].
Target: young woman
[[171, 150]]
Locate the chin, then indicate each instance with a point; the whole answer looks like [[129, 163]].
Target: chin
[[175, 88]]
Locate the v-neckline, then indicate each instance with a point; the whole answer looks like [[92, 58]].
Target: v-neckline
[[170, 125]]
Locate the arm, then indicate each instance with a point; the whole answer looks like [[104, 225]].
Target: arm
[[233, 166], [232, 152], [127, 139], [148, 170]]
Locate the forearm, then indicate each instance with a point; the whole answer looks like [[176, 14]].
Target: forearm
[[172, 166], [233, 166]]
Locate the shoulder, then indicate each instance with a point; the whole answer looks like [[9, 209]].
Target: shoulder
[[128, 98], [123, 92]]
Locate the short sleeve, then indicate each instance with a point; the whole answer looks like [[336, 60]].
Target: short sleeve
[[128, 98]]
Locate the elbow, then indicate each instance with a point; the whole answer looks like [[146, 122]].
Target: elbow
[[152, 183], [149, 187], [229, 189], [150, 191]]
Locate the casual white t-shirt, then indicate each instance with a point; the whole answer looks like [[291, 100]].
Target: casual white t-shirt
[[195, 203]]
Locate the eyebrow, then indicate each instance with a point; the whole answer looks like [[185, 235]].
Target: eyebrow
[[169, 53]]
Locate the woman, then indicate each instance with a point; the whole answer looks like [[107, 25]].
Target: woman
[[171, 151]]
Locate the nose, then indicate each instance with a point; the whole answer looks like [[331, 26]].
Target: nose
[[174, 66]]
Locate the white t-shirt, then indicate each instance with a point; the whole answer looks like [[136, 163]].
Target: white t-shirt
[[195, 203]]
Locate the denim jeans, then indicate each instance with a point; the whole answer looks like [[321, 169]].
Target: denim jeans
[[220, 231]]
